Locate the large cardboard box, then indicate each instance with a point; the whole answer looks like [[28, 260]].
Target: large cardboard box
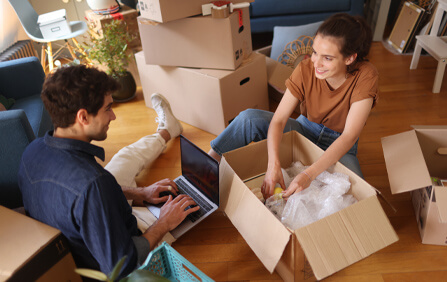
[[412, 158], [312, 252], [169, 10], [33, 251], [206, 98], [96, 22], [198, 42]]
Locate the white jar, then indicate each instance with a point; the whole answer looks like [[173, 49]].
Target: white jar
[[103, 7]]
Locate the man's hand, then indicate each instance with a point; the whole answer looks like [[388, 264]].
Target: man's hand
[[173, 211], [151, 194]]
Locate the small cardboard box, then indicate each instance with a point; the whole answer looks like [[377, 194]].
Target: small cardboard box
[[168, 10], [33, 251], [277, 74], [54, 24], [206, 98], [198, 42], [96, 22], [412, 158], [316, 250]]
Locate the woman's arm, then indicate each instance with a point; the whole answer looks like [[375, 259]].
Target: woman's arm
[[273, 175], [355, 121]]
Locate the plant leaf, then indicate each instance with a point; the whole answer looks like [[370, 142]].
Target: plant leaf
[[117, 269], [98, 275]]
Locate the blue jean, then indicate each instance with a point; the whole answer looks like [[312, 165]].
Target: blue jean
[[252, 126]]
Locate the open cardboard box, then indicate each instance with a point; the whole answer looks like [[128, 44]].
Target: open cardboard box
[[198, 42], [327, 245], [277, 74], [33, 251], [169, 10], [412, 158]]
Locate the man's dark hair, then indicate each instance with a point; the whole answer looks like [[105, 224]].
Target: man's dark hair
[[72, 88]]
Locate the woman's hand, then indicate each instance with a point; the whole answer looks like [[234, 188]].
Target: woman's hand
[[272, 176], [299, 183]]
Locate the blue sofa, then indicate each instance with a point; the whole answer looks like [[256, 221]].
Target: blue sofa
[[265, 14], [22, 80]]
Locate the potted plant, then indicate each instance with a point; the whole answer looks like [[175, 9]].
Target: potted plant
[[110, 50]]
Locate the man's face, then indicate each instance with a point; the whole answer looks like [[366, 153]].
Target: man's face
[[99, 124]]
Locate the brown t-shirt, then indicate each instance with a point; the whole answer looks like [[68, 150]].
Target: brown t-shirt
[[329, 107]]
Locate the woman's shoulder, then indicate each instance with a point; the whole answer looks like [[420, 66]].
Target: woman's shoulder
[[366, 67]]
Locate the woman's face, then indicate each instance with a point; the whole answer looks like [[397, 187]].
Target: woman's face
[[328, 62]]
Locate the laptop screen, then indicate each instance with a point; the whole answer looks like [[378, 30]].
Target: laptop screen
[[200, 169]]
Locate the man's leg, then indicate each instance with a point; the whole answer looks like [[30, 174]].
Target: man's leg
[[130, 160]]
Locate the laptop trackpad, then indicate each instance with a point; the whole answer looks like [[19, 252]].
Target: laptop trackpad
[[155, 209]]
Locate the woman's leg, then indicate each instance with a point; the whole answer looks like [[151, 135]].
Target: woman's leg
[[351, 162], [249, 126]]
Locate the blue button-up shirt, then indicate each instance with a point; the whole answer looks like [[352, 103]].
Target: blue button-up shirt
[[63, 186]]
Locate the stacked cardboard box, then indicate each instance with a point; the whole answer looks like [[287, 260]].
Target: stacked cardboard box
[[96, 22], [203, 65]]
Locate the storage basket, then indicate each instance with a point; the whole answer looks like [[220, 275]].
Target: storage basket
[[167, 262]]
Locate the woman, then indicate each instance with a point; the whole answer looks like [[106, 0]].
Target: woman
[[336, 89]]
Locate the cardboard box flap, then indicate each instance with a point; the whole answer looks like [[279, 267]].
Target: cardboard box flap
[[405, 162], [441, 197], [17, 250], [277, 74], [346, 237], [265, 235]]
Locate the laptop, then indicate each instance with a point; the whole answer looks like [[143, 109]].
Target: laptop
[[199, 180]]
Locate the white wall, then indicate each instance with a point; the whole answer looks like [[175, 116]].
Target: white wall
[[10, 28]]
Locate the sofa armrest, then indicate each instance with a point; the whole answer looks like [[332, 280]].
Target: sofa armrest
[[16, 134], [21, 78]]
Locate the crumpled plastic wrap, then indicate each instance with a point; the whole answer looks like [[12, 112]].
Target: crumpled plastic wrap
[[325, 195]]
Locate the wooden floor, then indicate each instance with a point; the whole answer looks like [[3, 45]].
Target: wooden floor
[[216, 247]]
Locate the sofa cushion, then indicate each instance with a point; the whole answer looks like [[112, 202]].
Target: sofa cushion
[[289, 7], [285, 34], [38, 116]]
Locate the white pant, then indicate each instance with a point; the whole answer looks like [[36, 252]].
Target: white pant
[[128, 163]]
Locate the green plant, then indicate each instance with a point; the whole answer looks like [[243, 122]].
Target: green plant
[[110, 48], [135, 276]]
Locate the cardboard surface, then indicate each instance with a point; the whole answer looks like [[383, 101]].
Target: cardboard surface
[[33, 251], [412, 158], [198, 42], [326, 246], [277, 74], [168, 10], [96, 22], [207, 98]]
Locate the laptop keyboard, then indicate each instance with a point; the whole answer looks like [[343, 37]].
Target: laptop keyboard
[[204, 205]]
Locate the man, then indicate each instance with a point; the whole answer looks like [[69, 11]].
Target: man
[[63, 185]]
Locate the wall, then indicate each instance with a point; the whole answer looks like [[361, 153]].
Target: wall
[[10, 28]]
